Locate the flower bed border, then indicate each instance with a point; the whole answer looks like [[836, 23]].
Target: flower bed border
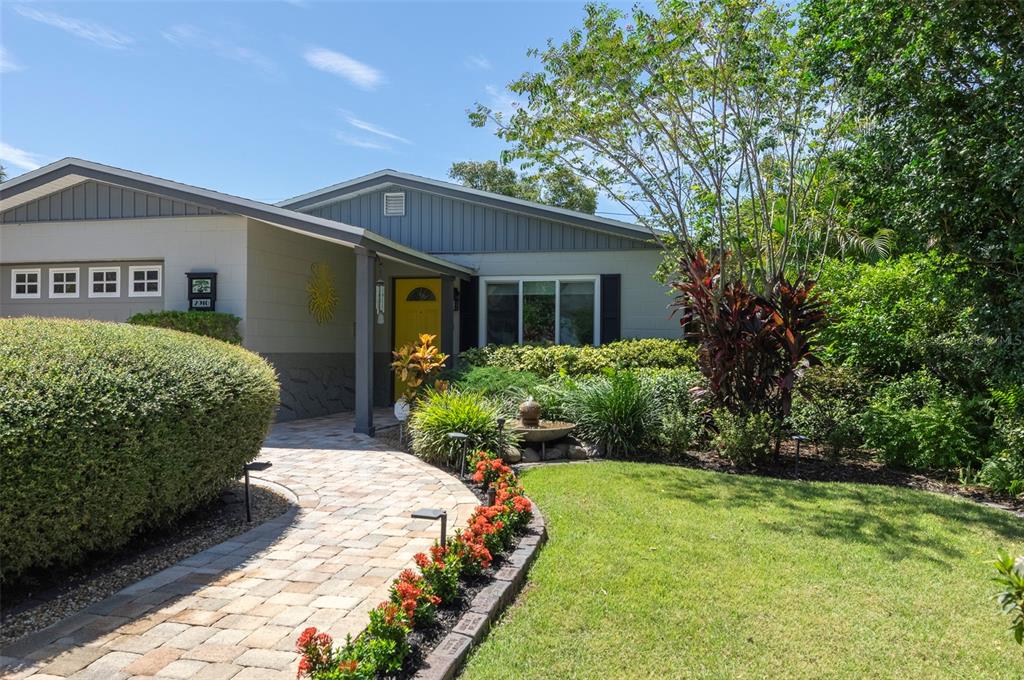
[[446, 659]]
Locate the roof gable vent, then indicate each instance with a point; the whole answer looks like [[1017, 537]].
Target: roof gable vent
[[394, 204]]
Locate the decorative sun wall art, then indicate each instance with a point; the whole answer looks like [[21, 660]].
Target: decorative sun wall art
[[323, 298]]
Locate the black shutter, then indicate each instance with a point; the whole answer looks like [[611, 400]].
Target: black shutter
[[611, 307], [469, 316]]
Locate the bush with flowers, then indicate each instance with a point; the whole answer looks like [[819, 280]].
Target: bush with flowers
[[414, 597]]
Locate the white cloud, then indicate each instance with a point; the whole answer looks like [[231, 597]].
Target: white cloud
[[365, 126], [356, 72], [501, 102], [478, 62], [19, 158], [185, 35], [84, 29], [7, 65], [360, 142]]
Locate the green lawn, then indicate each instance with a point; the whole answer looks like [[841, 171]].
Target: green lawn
[[665, 572]]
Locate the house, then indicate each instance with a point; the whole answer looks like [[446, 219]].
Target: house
[[392, 254]]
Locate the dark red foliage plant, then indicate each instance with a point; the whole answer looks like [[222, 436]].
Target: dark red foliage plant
[[751, 346]]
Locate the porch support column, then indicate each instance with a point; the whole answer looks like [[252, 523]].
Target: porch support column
[[365, 261], [448, 317]]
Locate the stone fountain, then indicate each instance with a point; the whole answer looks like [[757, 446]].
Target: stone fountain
[[532, 430]]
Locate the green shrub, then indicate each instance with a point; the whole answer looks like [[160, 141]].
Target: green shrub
[[211, 324], [615, 412], [505, 387], [1004, 472], [745, 439], [919, 423], [452, 410], [110, 429], [584, 360], [828, 406], [897, 316]]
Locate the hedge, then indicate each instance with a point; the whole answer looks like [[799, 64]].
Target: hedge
[[211, 324], [110, 429], [585, 360]]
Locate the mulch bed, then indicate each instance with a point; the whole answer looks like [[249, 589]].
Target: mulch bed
[[857, 467], [423, 641], [45, 596]]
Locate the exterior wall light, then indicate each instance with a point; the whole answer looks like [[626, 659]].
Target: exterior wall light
[[255, 467], [379, 291], [435, 514]]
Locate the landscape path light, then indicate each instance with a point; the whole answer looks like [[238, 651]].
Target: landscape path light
[[256, 466], [463, 439], [434, 514], [798, 438]]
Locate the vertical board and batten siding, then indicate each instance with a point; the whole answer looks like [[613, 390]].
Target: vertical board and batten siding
[[439, 224], [100, 201]]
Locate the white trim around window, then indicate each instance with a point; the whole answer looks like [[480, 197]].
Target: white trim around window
[[29, 281], [520, 280], [151, 280], [105, 282], [65, 282]]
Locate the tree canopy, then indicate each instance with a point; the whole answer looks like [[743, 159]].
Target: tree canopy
[[559, 186], [704, 120]]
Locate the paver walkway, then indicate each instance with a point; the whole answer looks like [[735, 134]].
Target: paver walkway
[[234, 610]]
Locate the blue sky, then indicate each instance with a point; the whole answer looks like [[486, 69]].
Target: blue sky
[[262, 99]]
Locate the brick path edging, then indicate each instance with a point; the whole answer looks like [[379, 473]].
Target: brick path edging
[[447, 659]]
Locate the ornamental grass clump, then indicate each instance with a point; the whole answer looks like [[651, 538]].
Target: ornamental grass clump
[[615, 411], [440, 412], [414, 598]]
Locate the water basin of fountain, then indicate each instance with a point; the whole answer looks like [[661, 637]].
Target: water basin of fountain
[[545, 431]]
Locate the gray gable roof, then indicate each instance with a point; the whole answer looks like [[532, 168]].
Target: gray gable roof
[[359, 185], [69, 172]]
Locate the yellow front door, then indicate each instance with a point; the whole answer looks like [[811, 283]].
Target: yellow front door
[[417, 310]]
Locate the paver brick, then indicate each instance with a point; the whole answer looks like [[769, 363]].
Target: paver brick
[[234, 610]]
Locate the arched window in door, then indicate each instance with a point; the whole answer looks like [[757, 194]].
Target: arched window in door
[[420, 294]]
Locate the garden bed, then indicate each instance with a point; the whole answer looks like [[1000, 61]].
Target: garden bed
[[858, 468], [44, 596]]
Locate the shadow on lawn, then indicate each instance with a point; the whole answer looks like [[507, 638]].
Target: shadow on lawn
[[887, 519]]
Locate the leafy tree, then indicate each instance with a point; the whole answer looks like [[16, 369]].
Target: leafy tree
[[703, 119], [3, 173], [562, 188], [940, 87], [498, 179], [559, 187]]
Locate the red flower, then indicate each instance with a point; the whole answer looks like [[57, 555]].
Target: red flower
[[348, 666], [305, 638], [421, 560], [304, 667]]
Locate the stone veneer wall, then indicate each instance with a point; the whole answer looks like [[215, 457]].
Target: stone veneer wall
[[316, 384]]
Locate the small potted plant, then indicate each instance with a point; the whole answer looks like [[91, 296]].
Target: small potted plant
[[415, 365]]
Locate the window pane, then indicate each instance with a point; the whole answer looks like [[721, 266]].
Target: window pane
[[576, 325], [539, 312], [503, 313]]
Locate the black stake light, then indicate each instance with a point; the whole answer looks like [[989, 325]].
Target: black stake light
[[255, 467], [798, 439], [501, 437], [434, 514], [463, 439]]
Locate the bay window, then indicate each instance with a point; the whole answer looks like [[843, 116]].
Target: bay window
[[539, 310]]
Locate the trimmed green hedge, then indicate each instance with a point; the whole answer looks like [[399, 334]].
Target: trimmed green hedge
[[109, 429], [586, 360], [217, 325]]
